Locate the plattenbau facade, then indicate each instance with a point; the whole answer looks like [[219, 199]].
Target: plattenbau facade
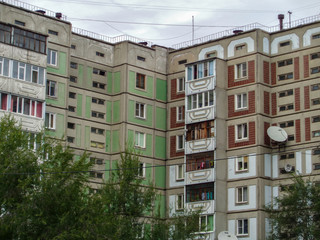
[[198, 114]]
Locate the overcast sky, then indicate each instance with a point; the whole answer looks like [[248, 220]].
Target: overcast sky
[[169, 22]]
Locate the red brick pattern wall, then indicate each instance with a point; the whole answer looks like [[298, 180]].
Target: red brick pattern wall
[[296, 68], [251, 105], [273, 74], [308, 128], [297, 99], [306, 66], [250, 79], [173, 149], [266, 102], [298, 131], [306, 97], [173, 118], [251, 136], [174, 94], [266, 72], [274, 103], [266, 137]]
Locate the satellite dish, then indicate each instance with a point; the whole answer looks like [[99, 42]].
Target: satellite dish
[[288, 168], [277, 134], [225, 235]]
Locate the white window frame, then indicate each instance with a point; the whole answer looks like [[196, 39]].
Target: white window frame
[[242, 194], [178, 139], [241, 101], [51, 117], [22, 70], [180, 116], [200, 100], [181, 84], [241, 161], [142, 170], [140, 110], [241, 229], [179, 202], [48, 88], [52, 58], [206, 222], [241, 70], [137, 137], [180, 170], [242, 131]]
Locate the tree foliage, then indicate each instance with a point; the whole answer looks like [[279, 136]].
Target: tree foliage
[[295, 214]]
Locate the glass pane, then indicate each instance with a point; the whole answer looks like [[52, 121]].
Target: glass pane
[[189, 73], [26, 107]]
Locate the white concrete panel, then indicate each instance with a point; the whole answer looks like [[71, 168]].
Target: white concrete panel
[[232, 174], [308, 161], [267, 195], [200, 85], [267, 228], [172, 178], [232, 226], [275, 193], [252, 229], [298, 162], [251, 199], [308, 34], [266, 48], [275, 166], [292, 37], [172, 205], [218, 48], [248, 40], [267, 165]]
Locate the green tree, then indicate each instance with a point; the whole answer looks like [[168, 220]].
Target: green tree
[[295, 214]]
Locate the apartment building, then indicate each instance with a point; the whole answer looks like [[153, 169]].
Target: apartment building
[[198, 114]]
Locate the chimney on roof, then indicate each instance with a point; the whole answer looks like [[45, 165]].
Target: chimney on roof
[[281, 17]]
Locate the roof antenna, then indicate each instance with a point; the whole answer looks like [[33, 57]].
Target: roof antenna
[[192, 30], [289, 18]]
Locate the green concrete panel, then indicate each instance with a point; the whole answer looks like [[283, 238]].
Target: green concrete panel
[[114, 166], [89, 77], [116, 112], [160, 145], [108, 111], [60, 100], [80, 74], [160, 205], [130, 140], [117, 82], [62, 65], [107, 168], [88, 106], [148, 180], [108, 142], [109, 83], [210, 226], [79, 104], [148, 92], [132, 112], [115, 141], [78, 135], [60, 127], [161, 90], [160, 177], [87, 136], [161, 118]]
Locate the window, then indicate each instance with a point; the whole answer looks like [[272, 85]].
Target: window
[[200, 161], [316, 133], [4, 66], [179, 202], [200, 192], [50, 121], [26, 106], [181, 84], [72, 109], [315, 87], [285, 76], [142, 170], [286, 156], [97, 161], [97, 130], [316, 36], [182, 61], [206, 223], [200, 70], [99, 54], [99, 72], [242, 227], [97, 101], [140, 110], [286, 93], [314, 55], [285, 62], [242, 163], [17, 22], [316, 151], [316, 166], [242, 194], [52, 57], [98, 85], [241, 101], [180, 113], [4, 101], [73, 46], [286, 124], [241, 70], [179, 172], [140, 139], [95, 144], [286, 107], [141, 58], [53, 32], [97, 114], [73, 79], [315, 70], [240, 47], [211, 55], [242, 131], [180, 142], [71, 125], [73, 65], [291, 137], [315, 101], [96, 174], [283, 44], [140, 81], [70, 139], [200, 130], [316, 119], [72, 95], [200, 100]]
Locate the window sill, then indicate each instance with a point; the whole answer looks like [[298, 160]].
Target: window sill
[[242, 171], [241, 79], [179, 179], [141, 118], [241, 203], [180, 150], [141, 89], [241, 109]]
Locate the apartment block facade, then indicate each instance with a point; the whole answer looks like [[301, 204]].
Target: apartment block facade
[[198, 115]]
